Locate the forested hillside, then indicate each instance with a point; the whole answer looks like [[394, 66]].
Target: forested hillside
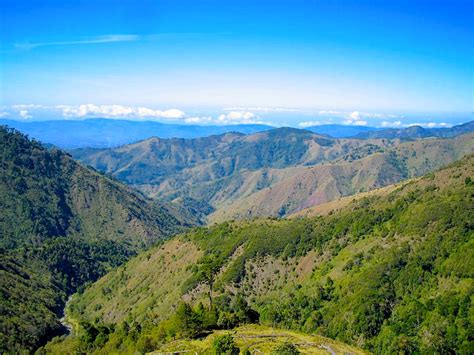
[[271, 173], [61, 225], [390, 272]]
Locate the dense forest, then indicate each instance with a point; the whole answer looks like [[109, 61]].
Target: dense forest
[[390, 273], [62, 226]]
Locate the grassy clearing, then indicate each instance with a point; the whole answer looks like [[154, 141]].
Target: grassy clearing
[[261, 340]]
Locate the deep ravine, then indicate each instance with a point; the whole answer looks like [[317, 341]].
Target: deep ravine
[[67, 326]]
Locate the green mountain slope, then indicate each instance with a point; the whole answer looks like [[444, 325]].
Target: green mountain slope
[[390, 272], [61, 225]]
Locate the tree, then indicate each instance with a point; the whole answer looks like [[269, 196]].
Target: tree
[[286, 349], [187, 321], [208, 269], [225, 345]]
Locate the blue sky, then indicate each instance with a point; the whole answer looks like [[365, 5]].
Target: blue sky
[[386, 62]]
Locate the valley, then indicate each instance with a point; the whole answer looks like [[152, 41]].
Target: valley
[[62, 226], [388, 270], [284, 236]]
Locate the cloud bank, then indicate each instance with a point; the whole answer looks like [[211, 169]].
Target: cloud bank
[[399, 124], [118, 111], [227, 116], [233, 117]]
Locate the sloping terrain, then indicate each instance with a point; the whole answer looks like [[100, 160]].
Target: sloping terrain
[[262, 340], [390, 272], [61, 225], [272, 173], [311, 186]]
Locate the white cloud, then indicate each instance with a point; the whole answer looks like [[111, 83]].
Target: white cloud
[[429, 124], [92, 40], [261, 109], [391, 124], [355, 119], [444, 124], [233, 117], [28, 107], [118, 111], [199, 120], [309, 124], [169, 114], [399, 124], [4, 114], [331, 112], [24, 114], [237, 116]]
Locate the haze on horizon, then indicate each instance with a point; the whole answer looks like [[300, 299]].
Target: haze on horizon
[[380, 63]]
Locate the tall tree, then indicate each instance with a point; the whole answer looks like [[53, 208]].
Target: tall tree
[[208, 270]]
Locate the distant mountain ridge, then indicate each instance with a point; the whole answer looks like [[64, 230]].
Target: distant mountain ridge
[[415, 132], [273, 173], [111, 133], [412, 132], [107, 133], [340, 131]]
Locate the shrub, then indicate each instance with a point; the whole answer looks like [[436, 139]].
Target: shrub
[[225, 345], [286, 349]]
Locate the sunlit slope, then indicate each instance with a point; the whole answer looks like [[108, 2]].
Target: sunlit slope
[[262, 340], [272, 173], [312, 186], [388, 272]]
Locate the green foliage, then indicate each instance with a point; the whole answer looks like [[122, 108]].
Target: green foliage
[[94, 336], [187, 323], [29, 303], [286, 349], [207, 271], [390, 273], [61, 226], [225, 345]]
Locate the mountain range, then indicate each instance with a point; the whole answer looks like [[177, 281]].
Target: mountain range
[[271, 173], [340, 131], [111, 133], [415, 132]]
